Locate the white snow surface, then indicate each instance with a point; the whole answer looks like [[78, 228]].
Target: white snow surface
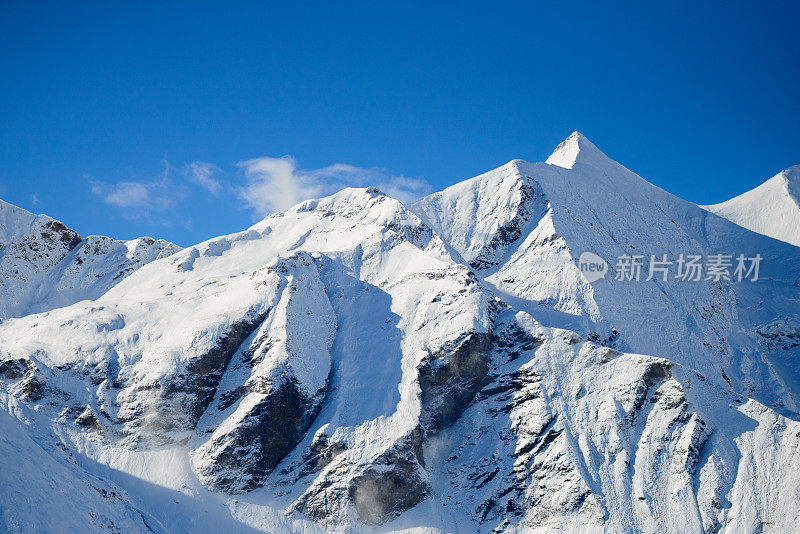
[[597, 205], [45, 265], [772, 208], [136, 404]]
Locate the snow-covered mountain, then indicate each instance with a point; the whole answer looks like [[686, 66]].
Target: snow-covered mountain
[[354, 364], [45, 265], [772, 208]]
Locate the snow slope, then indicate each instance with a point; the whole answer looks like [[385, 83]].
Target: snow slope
[[772, 208], [353, 364], [580, 200], [45, 265]]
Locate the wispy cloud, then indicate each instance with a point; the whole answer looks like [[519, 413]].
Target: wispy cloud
[[203, 174], [123, 194], [275, 184], [139, 198], [270, 185]]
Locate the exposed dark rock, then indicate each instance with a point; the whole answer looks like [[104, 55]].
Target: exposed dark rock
[[203, 374], [380, 494], [88, 420], [509, 232], [32, 387], [56, 230], [654, 375], [240, 460], [15, 369], [181, 400], [107, 370], [608, 341], [390, 484], [511, 340], [322, 452], [450, 379]]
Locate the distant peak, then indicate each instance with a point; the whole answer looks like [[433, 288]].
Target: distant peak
[[575, 148], [7, 206], [792, 177], [792, 174]]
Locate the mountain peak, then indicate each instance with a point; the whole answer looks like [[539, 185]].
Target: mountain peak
[[575, 149], [772, 208], [15, 221], [792, 177]]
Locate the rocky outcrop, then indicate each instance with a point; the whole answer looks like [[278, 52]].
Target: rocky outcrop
[[154, 412], [378, 490], [278, 382], [391, 484], [240, 457], [28, 381], [449, 379], [15, 368], [526, 210]]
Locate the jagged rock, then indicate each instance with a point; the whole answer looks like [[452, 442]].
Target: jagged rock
[[322, 452], [30, 384], [87, 419], [15, 369], [32, 388], [390, 485], [177, 403], [268, 432], [45, 265], [266, 417], [381, 489], [449, 379]]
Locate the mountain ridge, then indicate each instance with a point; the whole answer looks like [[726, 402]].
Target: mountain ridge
[[356, 364], [46, 265], [772, 208]]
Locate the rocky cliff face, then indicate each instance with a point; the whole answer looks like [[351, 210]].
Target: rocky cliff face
[[354, 364]]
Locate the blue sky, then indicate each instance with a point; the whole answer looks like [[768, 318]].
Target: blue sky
[[191, 120]]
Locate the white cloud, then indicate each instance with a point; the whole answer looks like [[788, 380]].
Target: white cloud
[[202, 174], [124, 194], [271, 185], [275, 184], [138, 198]]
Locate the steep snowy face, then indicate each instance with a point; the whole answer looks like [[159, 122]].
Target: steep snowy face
[[581, 201], [479, 217], [772, 209], [569, 435], [577, 150], [45, 265]]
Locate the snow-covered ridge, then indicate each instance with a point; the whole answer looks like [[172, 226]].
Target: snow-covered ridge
[[354, 364], [45, 265], [583, 201], [772, 208]]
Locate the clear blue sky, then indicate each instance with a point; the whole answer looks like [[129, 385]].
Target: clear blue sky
[[103, 105]]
